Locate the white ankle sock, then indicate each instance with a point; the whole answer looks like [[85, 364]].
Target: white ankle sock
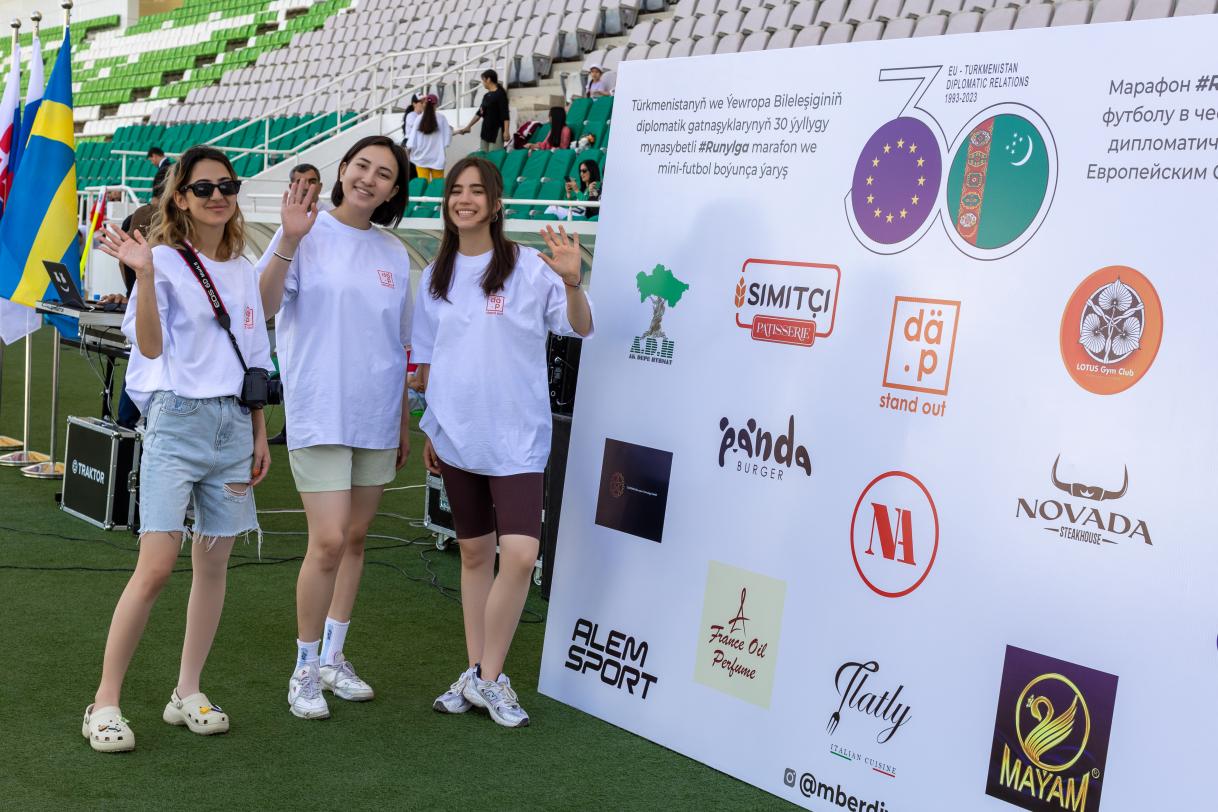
[[307, 652], [332, 641]]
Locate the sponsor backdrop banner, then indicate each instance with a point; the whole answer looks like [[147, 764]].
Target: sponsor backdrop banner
[[889, 484]]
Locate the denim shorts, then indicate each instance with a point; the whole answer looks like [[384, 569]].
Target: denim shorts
[[200, 449]]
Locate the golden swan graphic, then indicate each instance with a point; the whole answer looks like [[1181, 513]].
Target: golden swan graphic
[[1051, 729]]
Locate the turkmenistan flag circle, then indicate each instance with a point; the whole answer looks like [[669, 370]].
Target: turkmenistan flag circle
[[998, 181]]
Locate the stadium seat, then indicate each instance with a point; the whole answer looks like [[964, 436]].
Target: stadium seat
[[1186, 8], [837, 33], [1036, 15], [809, 36], [781, 39], [868, 31], [998, 19], [1151, 9], [1072, 12], [931, 25], [964, 22]]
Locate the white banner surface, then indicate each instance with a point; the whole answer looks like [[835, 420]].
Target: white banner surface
[[892, 456]]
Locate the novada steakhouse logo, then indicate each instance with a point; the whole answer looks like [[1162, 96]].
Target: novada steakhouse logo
[[787, 302], [1111, 330], [741, 623], [755, 449], [1083, 514], [616, 657], [1050, 734], [894, 534]]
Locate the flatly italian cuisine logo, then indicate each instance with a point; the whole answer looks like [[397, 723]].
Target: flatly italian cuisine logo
[[787, 302], [1051, 733], [741, 623]]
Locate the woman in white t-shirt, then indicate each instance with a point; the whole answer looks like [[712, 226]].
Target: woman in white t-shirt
[[482, 315], [200, 441], [340, 289], [429, 141]]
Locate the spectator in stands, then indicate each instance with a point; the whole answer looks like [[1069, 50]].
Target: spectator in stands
[[311, 177], [156, 157], [411, 118], [430, 140], [494, 113], [199, 441], [598, 83], [340, 290], [482, 315], [560, 134], [588, 187]]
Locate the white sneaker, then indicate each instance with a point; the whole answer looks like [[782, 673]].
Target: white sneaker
[[453, 700], [304, 694], [341, 680], [499, 700]]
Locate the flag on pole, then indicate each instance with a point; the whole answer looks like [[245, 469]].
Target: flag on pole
[[96, 217], [41, 222], [33, 98], [10, 126]]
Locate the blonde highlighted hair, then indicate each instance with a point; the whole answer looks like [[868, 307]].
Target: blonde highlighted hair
[[172, 225]]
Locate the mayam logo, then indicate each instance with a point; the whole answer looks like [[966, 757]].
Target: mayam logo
[[787, 302], [921, 347], [861, 693], [894, 534], [741, 623], [1085, 512], [758, 452], [1051, 733], [663, 290], [809, 787], [80, 469], [617, 658], [1111, 330]]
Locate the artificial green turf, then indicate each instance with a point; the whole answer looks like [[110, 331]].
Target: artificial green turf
[[406, 638]]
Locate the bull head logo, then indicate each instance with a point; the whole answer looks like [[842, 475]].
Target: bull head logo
[[1092, 492]]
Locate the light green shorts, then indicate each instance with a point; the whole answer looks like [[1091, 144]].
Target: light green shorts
[[339, 467]]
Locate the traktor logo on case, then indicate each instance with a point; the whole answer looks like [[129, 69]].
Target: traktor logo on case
[[1111, 330]]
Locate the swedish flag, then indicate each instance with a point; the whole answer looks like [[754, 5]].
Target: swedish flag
[[40, 221]]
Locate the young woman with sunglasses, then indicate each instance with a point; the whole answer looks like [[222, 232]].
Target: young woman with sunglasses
[[484, 310], [199, 440], [340, 288]]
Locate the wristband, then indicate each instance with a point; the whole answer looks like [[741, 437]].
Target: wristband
[[281, 256]]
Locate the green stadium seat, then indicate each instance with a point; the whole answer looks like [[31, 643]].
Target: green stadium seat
[[513, 164], [535, 165], [578, 112], [435, 188], [550, 190], [602, 109], [526, 190], [540, 134], [561, 166]]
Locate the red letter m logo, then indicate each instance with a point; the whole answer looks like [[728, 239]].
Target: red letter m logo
[[890, 540]]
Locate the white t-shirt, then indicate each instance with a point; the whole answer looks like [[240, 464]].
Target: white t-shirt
[[341, 334], [488, 399], [409, 122], [197, 359], [427, 150]]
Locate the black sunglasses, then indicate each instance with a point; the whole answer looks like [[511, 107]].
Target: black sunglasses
[[205, 188]]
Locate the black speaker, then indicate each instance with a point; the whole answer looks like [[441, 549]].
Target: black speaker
[[562, 359], [556, 475]]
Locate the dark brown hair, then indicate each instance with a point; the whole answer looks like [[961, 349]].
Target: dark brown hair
[[174, 227], [391, 211], [504, 251], [427, 119]]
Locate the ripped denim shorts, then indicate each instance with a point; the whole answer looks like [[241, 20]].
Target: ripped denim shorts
[[202, 449]]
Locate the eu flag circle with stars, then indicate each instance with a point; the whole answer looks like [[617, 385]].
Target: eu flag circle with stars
[[896, 180]]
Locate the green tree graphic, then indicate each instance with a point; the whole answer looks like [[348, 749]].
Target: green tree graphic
[[665, 291]]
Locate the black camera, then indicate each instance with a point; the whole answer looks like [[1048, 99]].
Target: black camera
[[259, 389]]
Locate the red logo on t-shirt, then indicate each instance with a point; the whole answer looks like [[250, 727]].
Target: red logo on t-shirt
[[249, 318], [386, 278], [494, 304]]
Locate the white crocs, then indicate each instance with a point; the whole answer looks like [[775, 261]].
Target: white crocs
[[197, 713], [107, 730]]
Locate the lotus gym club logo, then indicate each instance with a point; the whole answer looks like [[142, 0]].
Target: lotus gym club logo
[[894, 534], [741, 623], [921, 347], [1083, 513], [859, 695], [1050, 734], [618, 659], [664, 290], [758, 453], [1111, 330], [787, 302]]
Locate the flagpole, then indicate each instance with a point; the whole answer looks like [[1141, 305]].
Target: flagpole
[[24, 457], [8, 444], [48, 468]]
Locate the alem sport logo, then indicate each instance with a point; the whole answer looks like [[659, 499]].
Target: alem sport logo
[[787, 302], [1050, 734]]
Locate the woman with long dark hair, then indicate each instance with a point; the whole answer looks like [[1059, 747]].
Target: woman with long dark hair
[[340, 288], [588, 187], [484, 310], [201, 442], [429, 142], [559, 136]]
